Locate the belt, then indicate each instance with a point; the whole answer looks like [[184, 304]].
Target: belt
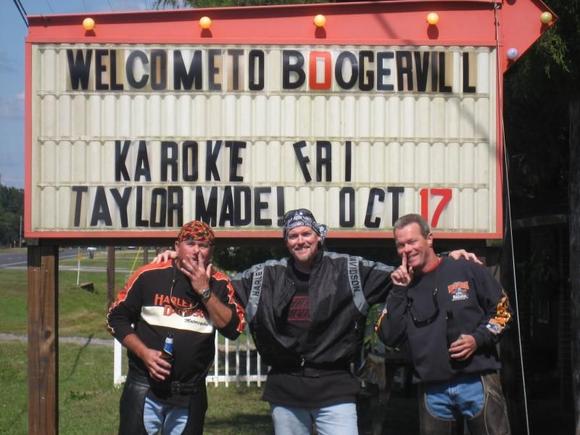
[[176, 387], [314, 370]]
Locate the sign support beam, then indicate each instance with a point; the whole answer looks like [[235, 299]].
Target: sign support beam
[[43, 340]]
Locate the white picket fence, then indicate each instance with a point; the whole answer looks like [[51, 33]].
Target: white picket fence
[[234, 362]]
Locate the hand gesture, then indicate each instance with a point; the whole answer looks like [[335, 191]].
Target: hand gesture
[[403, 275], [197, 272], [164, 256], [462, 253]]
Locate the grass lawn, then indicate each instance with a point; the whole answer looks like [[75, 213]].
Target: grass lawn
[[88, 401]]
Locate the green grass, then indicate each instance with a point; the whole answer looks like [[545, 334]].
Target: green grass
[[13, 291], [81, 313], [88, 401]]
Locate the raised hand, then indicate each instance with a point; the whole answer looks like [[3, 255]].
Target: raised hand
[[197, 272], [403, 275]]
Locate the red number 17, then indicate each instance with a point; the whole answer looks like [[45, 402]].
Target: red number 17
[[426, 193]]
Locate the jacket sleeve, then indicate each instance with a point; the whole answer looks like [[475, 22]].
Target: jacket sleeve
[[242, 283], [391, 326], [126, 310], [495, 305], [376, 280], [225, 291]]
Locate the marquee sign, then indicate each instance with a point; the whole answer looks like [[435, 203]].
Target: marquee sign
[[132, 136]]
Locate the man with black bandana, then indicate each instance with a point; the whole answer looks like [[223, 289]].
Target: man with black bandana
[[184, 299]]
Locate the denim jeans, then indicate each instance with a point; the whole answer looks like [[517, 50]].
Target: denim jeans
[[454, 399], [476, 399], [337, 419], [166, 419]]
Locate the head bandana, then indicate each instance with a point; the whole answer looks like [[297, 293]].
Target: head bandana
[[303, 218], [198, 231]]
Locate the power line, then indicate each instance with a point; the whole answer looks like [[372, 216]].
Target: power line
[[21, 11], [50, 6]]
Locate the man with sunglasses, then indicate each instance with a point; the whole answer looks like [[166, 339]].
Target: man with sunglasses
[[307, 315], [452, 314], [185, 299]]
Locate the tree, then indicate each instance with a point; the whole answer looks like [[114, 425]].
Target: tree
[[542, 107], [11, 211]]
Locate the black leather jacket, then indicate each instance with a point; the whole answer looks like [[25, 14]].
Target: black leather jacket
[[342, 288]]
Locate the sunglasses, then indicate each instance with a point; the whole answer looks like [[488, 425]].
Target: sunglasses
[[292, 215], [419, 323]]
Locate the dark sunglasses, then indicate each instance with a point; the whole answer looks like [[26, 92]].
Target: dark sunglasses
[[419, 323], [291, 215]]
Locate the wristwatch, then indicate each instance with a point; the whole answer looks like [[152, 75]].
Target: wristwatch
[[205, 294]]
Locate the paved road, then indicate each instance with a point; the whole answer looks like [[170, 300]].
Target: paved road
[[18, 257], [18, 260]]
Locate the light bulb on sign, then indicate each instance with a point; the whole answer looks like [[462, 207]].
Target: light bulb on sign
[[546, 17], [432, 18], [205, 23], [88, 24], [319, 20], [512, 53]]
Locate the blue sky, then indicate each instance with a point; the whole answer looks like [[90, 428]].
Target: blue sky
[[13, 32]]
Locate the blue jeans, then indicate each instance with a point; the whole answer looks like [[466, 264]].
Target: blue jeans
[[456, 398], [478, 400], [337, 419], [161, 418]]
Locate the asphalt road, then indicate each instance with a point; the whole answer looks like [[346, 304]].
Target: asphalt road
[[18, 257]]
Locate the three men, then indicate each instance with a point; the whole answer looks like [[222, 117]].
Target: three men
[[307, 315], [452, 313], [184, 299]]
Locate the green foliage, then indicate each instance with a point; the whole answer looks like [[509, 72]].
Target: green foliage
[[538, 90], [238, 258], [11, 211]]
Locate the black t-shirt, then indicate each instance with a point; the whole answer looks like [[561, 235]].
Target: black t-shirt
[[298, 312]]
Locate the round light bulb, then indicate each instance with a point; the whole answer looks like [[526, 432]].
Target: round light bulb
[[205, 22], [432, 18], [319, 20], [546, 17], [88, 24], [512, 53]]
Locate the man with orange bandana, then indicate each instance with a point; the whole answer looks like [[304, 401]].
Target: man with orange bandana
[[184, 300], [452, 314]]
